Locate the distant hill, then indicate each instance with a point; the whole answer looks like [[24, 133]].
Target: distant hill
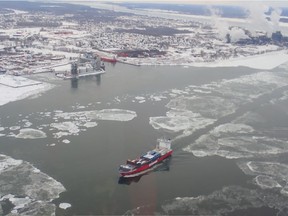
[[42, 6]]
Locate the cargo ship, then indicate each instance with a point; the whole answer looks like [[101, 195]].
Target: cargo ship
[[147, 161]]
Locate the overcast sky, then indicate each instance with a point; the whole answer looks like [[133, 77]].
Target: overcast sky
[[283, 3]]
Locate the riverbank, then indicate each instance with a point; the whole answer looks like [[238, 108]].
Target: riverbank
[[266, 61]]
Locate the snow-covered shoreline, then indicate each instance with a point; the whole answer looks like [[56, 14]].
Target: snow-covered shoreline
[[266, 61]]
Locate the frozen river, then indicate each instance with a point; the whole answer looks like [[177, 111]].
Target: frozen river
[[229, 132]]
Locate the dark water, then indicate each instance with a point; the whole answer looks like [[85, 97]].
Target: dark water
[[88, 165]]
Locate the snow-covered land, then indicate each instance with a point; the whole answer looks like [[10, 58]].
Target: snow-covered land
[[17, 88], [197, 41], [17, 82]]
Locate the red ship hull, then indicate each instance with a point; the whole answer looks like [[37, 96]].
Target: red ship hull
[[111, 60]]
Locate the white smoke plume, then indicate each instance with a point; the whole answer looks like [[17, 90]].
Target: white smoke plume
[[257, 19], [236, 34], [224, 29], [221, 26], [256, 22], [275, 18]]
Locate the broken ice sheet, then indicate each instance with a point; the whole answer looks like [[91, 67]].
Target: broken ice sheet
[[32, 191]]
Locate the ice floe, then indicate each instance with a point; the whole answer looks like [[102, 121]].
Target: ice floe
[[189, 114], [177, 120], [202, 91], [232, 128], [64, 205], [52, 144], [14, 128], [249, 87], [267, 182], [71, 127], [18, 203], [81, 107], [268, 174], [157, 97], [117, 99], [115, 115], [106, 114], [31, 191], [90, 124], [7, 163], [66, 141], [60, 134], [207, 106], [30, 133], [58, 111], [139, 98], [68, 123], [27, 124], [178, 92], [236, 141]]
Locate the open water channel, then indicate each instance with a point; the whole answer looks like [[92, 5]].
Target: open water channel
[[228, 126]]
